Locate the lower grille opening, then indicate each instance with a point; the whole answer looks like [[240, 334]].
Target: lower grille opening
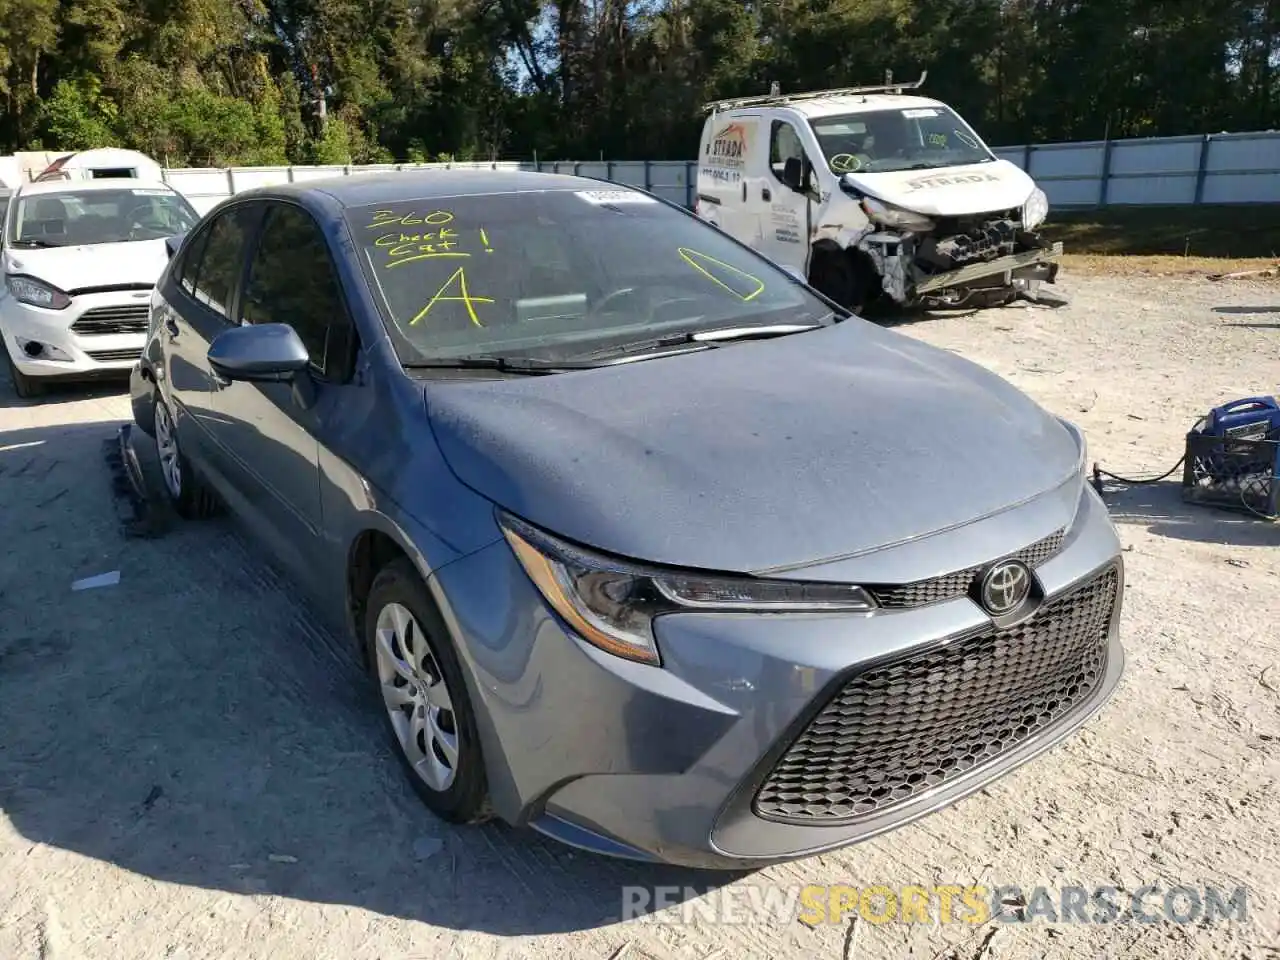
[[106, 356], [907, 727]]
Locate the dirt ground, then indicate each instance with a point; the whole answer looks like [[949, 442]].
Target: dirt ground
[[190, 768]]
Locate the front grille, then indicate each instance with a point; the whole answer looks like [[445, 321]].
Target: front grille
[[131, 318], [907, 727], [952, 585], [105, 356]]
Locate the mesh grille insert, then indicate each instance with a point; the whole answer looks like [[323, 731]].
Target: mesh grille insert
[[906, 727], [952, 585]]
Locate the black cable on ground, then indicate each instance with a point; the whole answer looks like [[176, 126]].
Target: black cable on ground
[[1099, 473]]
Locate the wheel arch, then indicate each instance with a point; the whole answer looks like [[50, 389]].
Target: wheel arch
[[369, 551]]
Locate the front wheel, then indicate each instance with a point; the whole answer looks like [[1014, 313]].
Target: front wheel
[[425, 701], [28, 388], [837, 275]]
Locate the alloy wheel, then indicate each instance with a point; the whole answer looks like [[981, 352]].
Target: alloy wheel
[[167, 450], [416, 697]]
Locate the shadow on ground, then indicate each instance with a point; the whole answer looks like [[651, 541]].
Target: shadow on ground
[[59, 392], [1160, 508], [1246, 310], [892, 315], [192, 724]]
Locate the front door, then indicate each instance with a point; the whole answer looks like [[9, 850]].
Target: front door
[[271, 429], [785, 213]]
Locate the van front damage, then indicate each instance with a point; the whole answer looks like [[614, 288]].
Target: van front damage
[[874, 194], [946, 238]]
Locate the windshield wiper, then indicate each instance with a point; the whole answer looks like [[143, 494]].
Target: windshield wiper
[[36, 243], [529, 365], [704, 338], [759, 331]]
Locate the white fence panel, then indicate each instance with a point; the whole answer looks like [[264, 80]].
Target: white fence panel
[[1237, 168]]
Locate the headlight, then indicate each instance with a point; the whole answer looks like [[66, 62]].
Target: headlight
[[37, 293], [892, 216], [1035, 209], [612, 604]]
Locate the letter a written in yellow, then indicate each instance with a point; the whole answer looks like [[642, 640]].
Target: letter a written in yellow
[[464, 295]]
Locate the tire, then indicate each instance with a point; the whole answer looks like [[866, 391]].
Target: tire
[[836, 274], [186, 492], [425, 723], [27, 388]]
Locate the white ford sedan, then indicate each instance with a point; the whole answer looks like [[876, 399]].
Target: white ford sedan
[[80, 262]]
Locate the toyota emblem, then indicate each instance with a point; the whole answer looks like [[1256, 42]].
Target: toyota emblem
[[1005, 587]]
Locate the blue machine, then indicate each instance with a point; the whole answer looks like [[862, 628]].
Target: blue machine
[[1253, 418], [1233, 456]]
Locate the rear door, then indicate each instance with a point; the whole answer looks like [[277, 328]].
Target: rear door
[[194, 309], [272, 430]]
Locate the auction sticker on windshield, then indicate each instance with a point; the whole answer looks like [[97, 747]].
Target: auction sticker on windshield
[[601, 197]]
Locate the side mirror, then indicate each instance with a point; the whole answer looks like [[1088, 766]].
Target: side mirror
[[262, 353], [173, 244]]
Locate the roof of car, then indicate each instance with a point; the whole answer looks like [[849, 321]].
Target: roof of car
[[358, 190], [82, 186]]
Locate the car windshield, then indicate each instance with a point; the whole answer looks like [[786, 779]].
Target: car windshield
[[559, 274], [914, 138], [77, 217]]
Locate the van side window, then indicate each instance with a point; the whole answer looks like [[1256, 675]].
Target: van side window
[[785, 145]]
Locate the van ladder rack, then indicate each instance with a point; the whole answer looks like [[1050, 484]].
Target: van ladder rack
[[778, 98]]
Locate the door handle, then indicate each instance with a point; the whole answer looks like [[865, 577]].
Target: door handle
[[744, 191], [765, 194], [171, 325]]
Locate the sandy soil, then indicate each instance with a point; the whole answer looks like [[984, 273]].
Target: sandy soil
[[189, 768]]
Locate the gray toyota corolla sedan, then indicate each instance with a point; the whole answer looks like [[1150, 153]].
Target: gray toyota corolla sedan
[[646, 545]]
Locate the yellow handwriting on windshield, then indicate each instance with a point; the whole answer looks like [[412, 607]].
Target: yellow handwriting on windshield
[[458, 280], [723, 275], [408, 247], [384, 218]]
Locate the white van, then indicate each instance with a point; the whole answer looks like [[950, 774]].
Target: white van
[[104, 163], [868, 192]]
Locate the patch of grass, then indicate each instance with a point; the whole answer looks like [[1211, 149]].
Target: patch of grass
[[1240, 232], [1113, 265]]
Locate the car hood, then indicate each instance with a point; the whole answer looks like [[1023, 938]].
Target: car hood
[[949, 191], [756, 455], [94, 265]]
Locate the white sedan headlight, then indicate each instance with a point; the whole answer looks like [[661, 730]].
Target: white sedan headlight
[[612, 604], [36, 292], [1035, 209]]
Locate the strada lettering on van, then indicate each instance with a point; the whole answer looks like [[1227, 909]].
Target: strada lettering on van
[[929, 183], [729, 147]]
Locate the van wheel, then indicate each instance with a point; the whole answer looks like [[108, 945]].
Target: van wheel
[[836, 274]]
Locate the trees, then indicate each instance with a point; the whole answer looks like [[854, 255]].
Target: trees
[[211, 82]]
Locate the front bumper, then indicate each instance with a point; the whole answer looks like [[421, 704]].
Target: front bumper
[[666, 763], [99, 334], [1013, 265]]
